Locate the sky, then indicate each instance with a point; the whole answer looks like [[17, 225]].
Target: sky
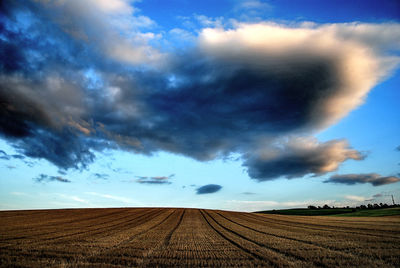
[[241, 105]]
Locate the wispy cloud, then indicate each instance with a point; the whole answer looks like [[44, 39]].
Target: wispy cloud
[[19, 194], [372, 178], [155, 179], [74, 198], [5, 156], [248, 193], [355, 198], [113, 197], [102, 176], [47, 178]]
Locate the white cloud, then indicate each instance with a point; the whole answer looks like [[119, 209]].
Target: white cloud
[[254, 4], [355, 198], [298, 156], [74, 198], [360, 61], [113, 197], [111, 25], [206, 21], [113, 6]]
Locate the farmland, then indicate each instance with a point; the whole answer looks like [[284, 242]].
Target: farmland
[[150, 237]]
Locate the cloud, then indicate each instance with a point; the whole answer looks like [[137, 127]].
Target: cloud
[[252, 10], [248, 193], [155, 180], [209, 22], [4, 155], [10, 167], [102, 176], [299, 157], [46, 178], [398, 148], [112, 26], [208, 189], [81, 77], [74, 198], [372, 178], [112, 197], [355, 198]]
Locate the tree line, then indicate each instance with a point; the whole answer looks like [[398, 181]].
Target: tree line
[[368, 206]]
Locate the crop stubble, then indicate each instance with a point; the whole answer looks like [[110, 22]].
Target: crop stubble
[[152, 237]]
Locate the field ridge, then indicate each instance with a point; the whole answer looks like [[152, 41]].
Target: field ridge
[[171, 237]]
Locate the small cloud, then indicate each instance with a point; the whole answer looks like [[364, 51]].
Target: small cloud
[[11, 167], [208, 21], [251, 10], [248, 193], [74, 198], [120, 170], [102, 176], [62, 172], [398, 148], [112, 197], [377, 195], [47, 178], [4, 155], [255, 4], [155, 179], [355, 198], [208, 189], [18, 156], [372, 178]]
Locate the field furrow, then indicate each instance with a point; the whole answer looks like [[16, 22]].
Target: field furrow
[[175, 237], [310, 250]]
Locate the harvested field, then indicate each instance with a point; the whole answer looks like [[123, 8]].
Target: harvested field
[[153, 237]]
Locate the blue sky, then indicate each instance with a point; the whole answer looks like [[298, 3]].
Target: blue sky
[[237, 105]]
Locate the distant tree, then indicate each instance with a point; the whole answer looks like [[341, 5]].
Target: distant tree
[[369, 206], [326, 206], [363, 207], [376, 206], [385, 205], [312, 207], [319, 207]]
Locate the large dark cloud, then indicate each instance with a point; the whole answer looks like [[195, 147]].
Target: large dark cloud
[[208, 189], [372, 178], [67, 92]]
